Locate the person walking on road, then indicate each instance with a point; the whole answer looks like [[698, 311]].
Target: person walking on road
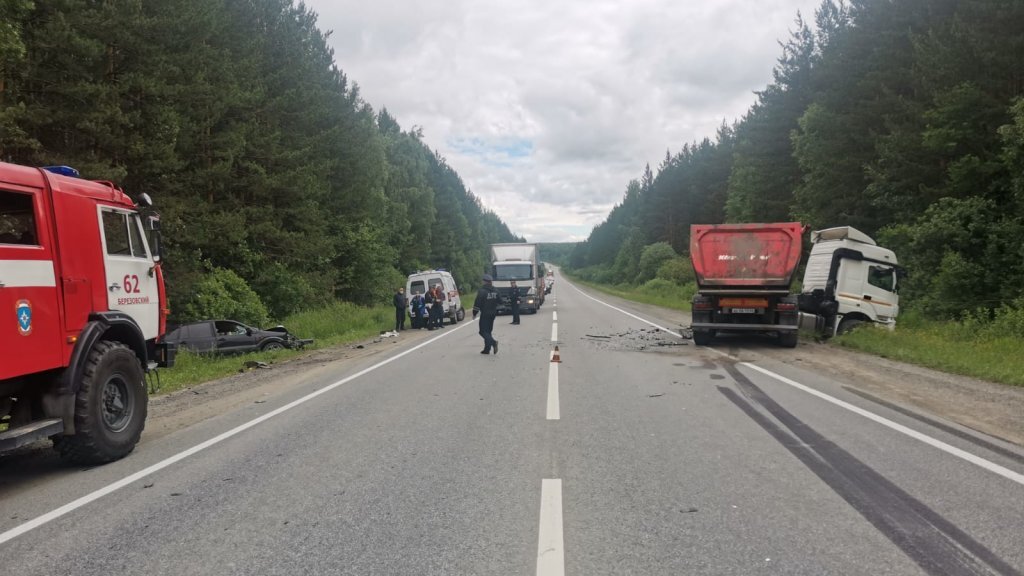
[[400, 302], [486, 305], [514, 303]]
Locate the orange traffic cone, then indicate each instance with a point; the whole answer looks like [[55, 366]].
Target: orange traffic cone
[[554, 356]]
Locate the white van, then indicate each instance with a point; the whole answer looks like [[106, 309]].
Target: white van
[[420, 282]]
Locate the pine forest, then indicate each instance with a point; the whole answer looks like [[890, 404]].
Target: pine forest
[[280, 188], [902, 119]]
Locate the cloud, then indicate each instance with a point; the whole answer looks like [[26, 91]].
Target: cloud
[[548, 109]]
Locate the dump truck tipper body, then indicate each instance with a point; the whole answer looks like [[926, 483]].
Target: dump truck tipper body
[[744, 273]]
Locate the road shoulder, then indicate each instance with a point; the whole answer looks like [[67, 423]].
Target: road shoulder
[[991, 408]]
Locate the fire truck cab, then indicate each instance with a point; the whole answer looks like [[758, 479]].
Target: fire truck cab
[[82, 310]]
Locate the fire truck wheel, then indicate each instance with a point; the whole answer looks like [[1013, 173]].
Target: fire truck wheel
[[110, 407]]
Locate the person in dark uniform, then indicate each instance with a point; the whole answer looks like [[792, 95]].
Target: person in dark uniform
[[486, 305], [400, 303], [513, 302]]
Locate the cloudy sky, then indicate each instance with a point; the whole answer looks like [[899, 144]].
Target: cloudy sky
[[548, 108]]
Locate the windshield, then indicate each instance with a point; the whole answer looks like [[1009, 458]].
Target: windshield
[[513, 272]]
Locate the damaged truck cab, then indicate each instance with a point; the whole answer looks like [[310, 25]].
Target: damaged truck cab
[[849, 280]]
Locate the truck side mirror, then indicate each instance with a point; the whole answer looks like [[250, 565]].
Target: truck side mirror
[[153, 224]]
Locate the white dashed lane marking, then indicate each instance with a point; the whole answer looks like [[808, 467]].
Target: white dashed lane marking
[[550, 551], [554, 412]]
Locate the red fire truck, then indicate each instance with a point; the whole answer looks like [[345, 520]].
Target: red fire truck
[[82, 309]]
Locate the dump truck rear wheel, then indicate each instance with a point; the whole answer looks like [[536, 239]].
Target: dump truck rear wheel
[[702, 338], [788, 339]]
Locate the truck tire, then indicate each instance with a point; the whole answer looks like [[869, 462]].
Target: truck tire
[[110, 407], [848, 325], [702, 337], [789, 339]]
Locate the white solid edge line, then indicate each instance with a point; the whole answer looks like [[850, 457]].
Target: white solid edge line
[[550, 550], [648, 322], [953, 450], [554, 412], [96, 495], [554, 331]]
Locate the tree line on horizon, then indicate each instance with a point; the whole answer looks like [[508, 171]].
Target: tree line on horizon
[[902, 119], [280, 188]]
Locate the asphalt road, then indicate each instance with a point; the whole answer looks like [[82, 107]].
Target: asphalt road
[[638, 453]]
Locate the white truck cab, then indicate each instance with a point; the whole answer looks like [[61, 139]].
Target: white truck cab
[[420, 282], [854, 277]]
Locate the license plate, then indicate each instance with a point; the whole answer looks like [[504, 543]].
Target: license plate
[[744, 310], [743, 302]]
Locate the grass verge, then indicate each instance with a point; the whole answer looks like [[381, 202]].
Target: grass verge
[[939, 345], [339, 323]]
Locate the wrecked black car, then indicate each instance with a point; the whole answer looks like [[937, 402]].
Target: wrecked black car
[[230, 337]]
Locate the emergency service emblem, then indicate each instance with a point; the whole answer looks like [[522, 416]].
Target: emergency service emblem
[[23, 309]]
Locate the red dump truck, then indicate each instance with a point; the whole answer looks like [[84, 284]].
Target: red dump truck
[[744, 273]]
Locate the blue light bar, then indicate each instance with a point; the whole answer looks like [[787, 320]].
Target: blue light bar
[[63, 171]]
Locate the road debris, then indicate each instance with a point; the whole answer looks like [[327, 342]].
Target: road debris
[[255, 364]]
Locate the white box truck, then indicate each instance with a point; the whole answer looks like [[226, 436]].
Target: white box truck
[[517, 262]]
